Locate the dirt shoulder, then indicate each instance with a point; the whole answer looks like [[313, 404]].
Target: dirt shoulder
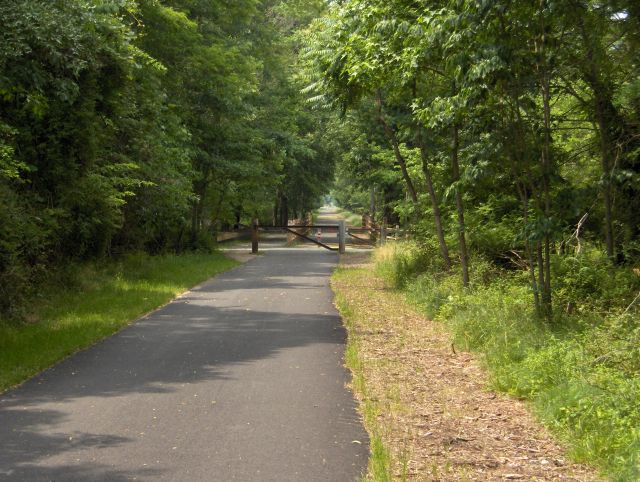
[[435, 415]]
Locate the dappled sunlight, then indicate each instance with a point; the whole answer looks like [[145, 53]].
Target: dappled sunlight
[[175, 363]]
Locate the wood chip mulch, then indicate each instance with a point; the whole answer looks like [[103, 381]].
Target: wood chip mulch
[[439, 420]]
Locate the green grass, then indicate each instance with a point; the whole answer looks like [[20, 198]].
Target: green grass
[[94, 302], [351, 219], [379, 469], [581, 372]]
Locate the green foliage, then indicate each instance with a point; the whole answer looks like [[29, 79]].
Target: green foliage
[[588, 280], [510, 125], [580, 372], [144, 125], [493, 229], [22, 249]]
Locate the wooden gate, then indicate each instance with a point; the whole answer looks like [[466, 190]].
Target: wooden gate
[[256, 228]]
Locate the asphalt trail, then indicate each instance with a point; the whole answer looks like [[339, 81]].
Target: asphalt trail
[[239, 379]]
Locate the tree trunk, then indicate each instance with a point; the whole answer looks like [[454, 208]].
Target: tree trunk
[[437, 216], [393, 140], [608, 121], [603, 116], [196, 217], [200, 187], [372, 202], [218, 208], [523, 192], [546, 166], [541, 281], [527, 244], [455, 168], [284, 211], [276, 210], [194, 222], [545, 86], [435, 205]]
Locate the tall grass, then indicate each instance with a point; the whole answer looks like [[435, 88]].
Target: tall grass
[[581, 372], [89, 302]]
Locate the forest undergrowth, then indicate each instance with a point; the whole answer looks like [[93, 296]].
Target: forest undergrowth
[[425, 404], [580, 370]]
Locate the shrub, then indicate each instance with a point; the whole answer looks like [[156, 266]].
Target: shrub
[[589, 281], [397, 263], [581, 372]]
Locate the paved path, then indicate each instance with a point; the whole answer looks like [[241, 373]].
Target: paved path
[[239, 379]]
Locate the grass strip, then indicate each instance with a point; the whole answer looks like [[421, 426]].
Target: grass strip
[[95, 302], [343, 280], [425, 402]]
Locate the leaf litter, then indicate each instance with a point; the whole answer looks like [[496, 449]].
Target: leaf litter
[[437, 417]]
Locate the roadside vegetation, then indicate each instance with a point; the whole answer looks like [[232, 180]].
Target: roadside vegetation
[[87, 302], [504, 137], [146, 125], [581, 371], [425, 401]]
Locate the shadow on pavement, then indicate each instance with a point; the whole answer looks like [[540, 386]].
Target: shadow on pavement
[[193, 339]]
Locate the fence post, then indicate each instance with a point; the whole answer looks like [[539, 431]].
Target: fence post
[[254, 236], [341, 236], [383, 232]]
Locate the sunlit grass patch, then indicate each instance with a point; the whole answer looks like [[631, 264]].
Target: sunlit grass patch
[[94, 303], [379, 469]]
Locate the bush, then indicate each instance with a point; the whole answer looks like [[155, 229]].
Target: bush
[[25, 244], [398, 263], [589, 281]]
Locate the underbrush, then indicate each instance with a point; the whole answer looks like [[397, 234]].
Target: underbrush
[[83, 303], [581, 371]]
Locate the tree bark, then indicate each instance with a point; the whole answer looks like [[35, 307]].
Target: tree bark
[[435, 205], [393, 140], [522, 190], [455, 169], [544, 254], [284, 211], [276, 210], [196, 213], [372, 202], [608, 121], [605, 116]]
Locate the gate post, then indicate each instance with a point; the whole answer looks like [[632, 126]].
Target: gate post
[[383, 232], [341, 236], [254, 236]]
